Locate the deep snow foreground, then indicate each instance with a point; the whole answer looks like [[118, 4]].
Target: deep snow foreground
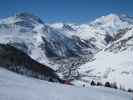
[[17, 87]]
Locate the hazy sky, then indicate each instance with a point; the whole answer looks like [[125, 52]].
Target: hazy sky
[[79, 11]]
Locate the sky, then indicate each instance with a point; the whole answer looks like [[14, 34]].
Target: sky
[[78, 11]]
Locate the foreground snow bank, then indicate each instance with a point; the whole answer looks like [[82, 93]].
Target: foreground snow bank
[[17, 87]]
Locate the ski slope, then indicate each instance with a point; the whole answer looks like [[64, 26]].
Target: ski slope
[[17, 87]]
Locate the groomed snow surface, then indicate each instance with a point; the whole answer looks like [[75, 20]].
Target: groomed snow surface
[[17, 87]]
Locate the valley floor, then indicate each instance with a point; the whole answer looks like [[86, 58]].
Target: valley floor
[[17, 87]]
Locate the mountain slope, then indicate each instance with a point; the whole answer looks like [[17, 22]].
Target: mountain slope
[[16, 87], [111, 67], [43, 43], [25, 28], [17, 61], [114, 63]]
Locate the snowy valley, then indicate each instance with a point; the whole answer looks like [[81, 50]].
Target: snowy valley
[[100, 50]]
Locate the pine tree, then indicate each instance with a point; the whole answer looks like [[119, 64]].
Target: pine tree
[[130, 90], [93, 83], [114, 85], [107, 84], [99, 84]]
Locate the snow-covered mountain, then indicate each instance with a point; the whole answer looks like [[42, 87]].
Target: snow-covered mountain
[[100, 50], [113, 62], [42, 42], [30, 31], [112, 35]]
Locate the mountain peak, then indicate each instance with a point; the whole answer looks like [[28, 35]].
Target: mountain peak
[[112, 18], [106, 19], [29, 17]]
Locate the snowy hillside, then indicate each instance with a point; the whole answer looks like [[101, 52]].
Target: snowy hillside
[[113, 63], [111, 67], [16, 87]]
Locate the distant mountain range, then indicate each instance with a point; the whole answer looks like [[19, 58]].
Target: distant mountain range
[[101, 50]]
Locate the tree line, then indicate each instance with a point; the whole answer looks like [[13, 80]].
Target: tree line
[[110, 85]]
